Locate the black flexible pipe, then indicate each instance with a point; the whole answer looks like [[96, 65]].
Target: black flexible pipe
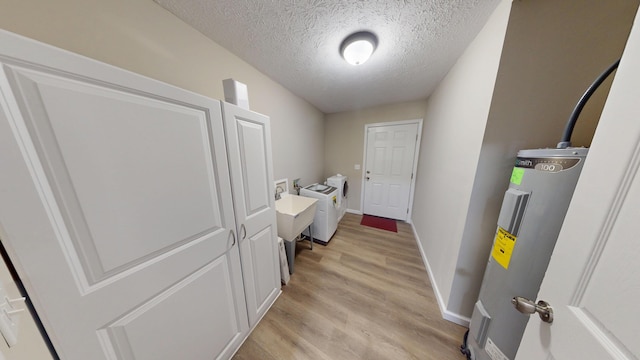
[[568, 130], [464, 349]]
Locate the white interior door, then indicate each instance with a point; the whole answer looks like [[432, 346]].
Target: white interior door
[[593, 280], [116, 209], [389, 166], [249, 141]]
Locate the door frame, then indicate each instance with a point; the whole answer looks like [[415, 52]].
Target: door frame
[[415, 160]]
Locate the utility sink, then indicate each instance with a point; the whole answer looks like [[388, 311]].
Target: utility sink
[[294, 214]]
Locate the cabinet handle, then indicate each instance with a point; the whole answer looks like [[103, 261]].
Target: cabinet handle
[[234, 238], [243, 230]]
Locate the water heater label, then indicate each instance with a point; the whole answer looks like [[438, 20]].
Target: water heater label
[[550, 164], [493, 351], [503, 247]]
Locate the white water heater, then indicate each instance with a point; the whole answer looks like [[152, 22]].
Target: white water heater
[[532, 212]]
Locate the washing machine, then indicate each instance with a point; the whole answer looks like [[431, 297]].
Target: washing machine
[[325, 222], [340, 182]]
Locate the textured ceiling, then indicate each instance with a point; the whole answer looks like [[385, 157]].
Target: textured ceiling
[[296, 42]]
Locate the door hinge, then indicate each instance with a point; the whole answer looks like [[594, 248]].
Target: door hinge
[[407, 210], [411, 176]]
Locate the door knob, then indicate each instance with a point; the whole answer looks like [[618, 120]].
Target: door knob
[[368, 172], [528, 307], [367, 178]]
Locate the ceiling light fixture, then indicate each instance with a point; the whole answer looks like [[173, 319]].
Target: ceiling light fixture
[[358, 47]]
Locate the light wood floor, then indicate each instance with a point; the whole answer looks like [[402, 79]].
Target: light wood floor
[[364, 296]]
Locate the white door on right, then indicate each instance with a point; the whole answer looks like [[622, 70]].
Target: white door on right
[[389, 167], [593, 279]]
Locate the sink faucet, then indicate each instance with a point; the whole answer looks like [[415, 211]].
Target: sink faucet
[[279, 192]]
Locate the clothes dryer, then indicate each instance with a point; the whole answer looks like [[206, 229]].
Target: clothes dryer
[[340, 182]]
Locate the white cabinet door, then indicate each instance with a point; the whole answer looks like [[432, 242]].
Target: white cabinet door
[[249, 149], [389, 167], [116, 209]]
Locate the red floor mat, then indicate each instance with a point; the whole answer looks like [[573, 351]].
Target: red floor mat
[[379, 223]]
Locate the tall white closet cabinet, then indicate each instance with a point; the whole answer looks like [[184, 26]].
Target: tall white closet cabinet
[[139, 216]]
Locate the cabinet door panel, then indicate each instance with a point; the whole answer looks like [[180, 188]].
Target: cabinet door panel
[[249, 148], [119, 210]]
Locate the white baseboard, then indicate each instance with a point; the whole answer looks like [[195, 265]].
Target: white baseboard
[[446, 314]]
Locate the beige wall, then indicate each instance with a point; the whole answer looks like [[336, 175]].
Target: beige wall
[[543, 72], [140, 36], [454, 126], [344, 141]]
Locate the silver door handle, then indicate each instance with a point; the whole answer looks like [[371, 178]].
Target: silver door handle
[[528, 307]]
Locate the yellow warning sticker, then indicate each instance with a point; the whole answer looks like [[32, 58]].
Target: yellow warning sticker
[[503, 247], [516, 175]]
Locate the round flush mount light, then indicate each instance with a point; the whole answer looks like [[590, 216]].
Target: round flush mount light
[[358, 47]]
